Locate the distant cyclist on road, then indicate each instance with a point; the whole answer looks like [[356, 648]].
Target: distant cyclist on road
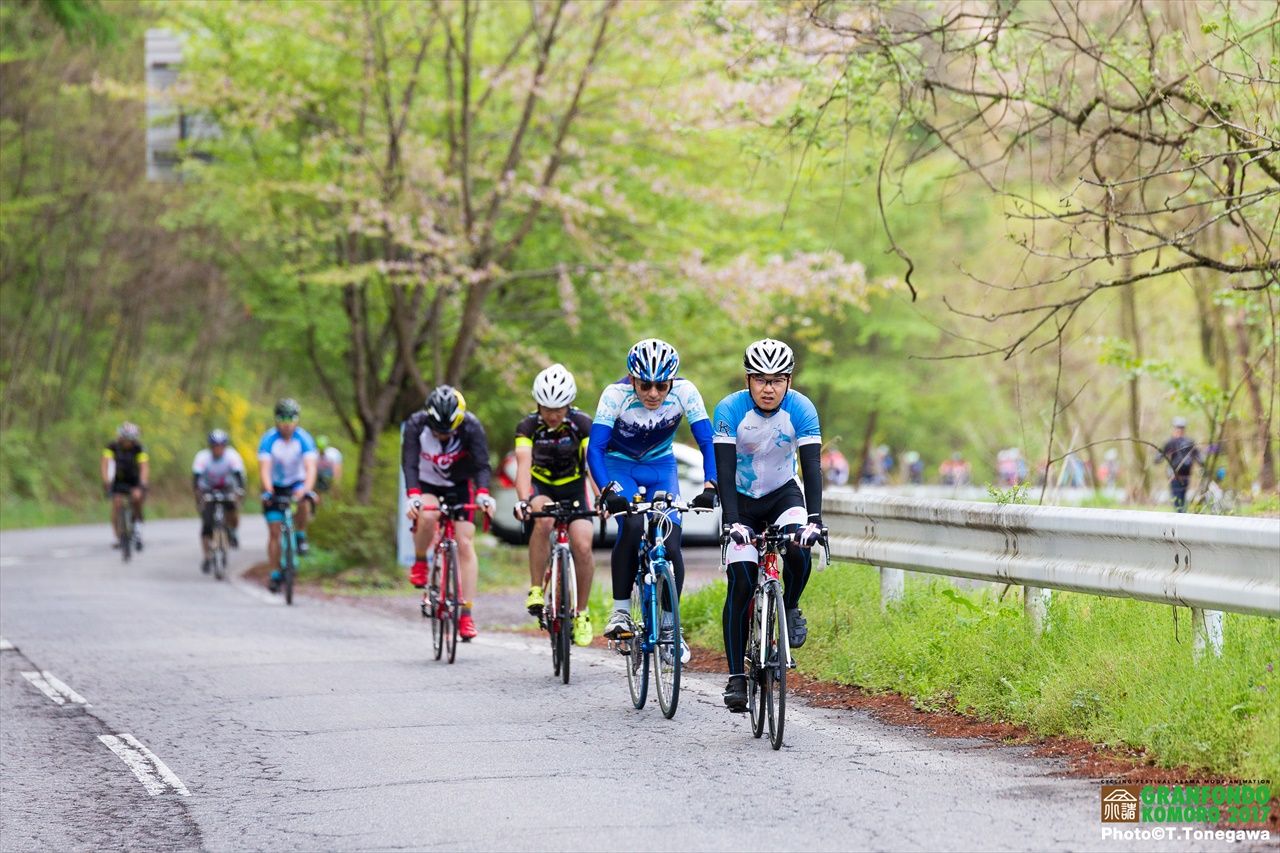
[[445, 456], [287, 468], [328, 466], [630, 446], [551, 449], [218, 468], [126, 471], [759, 433]]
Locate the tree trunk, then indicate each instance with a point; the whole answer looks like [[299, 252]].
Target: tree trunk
[[1261, 417], [368, 462], [1140, 485], [856, 465]]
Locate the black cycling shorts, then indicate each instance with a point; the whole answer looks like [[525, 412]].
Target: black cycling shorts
[[458, 493], [574, 490], [124, 487], [759, 513]]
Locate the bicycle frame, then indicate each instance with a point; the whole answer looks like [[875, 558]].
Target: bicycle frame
[[770, 545]]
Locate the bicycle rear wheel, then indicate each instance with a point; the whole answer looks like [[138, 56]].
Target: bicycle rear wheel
[[754, 670], [289, 568], [564, 617], [452, 602], [638, 659], [667, 654], [433, 609], [776, 664]]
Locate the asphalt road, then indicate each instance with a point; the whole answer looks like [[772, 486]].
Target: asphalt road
[[324, 726]]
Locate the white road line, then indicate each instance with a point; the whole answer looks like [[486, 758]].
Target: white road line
[[254, 591], [55, 689], [6, 646], [154, 775]]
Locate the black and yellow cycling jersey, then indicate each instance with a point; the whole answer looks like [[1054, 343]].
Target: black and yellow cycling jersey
[[128, 458], [558, 454]]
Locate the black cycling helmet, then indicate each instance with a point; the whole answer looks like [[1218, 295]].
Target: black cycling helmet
[[287, 409], [219, 438], [445, 409]]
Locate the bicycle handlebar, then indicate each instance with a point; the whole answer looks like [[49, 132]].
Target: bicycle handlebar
[[560, 512]]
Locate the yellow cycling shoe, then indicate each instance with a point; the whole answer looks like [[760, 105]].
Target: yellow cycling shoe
[[535, 601], [582, 631]]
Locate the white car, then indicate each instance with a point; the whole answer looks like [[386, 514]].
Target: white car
[[699, 527]]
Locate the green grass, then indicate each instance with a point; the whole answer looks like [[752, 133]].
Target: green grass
[[1109, 670]]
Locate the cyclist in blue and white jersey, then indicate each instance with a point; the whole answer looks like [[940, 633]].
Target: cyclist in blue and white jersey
[[287, 458], [630, 446], [760, 432]]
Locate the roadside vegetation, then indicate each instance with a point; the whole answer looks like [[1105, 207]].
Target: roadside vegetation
[[1108, 670]]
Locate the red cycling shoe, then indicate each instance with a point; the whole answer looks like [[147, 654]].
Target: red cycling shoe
[[466, 627], [418, 574]]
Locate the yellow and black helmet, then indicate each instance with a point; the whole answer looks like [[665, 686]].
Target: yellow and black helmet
[[445, 408]]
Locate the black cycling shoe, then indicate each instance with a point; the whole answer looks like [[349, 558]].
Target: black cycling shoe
[[303, 548], [735, 694], [205, 565], [233, 539], [797, 628]]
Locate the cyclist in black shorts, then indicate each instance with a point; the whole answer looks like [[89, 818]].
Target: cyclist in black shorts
[[132, 473], [445, 457], [551, 450]]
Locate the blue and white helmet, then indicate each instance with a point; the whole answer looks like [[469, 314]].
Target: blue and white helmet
[[652, 360]]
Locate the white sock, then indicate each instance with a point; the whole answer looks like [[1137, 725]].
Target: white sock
[[623, 604], [667, 619]]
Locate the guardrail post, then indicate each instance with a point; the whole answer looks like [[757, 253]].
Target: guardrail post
[[1035, 606], [892, 583], [1206, 630]]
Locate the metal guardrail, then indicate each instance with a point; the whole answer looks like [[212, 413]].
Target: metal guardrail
[[1208, 563]]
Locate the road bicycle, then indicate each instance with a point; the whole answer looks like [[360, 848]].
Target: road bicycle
[[768, 651], [655, 607], [442, 599], [220, 539], [127, 525], [288, 546], [560, 583]]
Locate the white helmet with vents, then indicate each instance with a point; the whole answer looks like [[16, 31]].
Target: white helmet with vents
[[770, 357], [554, 387]]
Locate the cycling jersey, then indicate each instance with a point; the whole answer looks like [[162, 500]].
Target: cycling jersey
[[558, 454], [625, 430], [287, 458], [218, 474], [328, 464], [128, 461], [765, 444], [462, 456]]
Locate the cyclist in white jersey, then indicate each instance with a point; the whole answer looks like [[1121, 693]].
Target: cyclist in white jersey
[[218, 468]]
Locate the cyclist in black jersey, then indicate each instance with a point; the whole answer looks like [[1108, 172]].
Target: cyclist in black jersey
[[126, 470], [551, 448]]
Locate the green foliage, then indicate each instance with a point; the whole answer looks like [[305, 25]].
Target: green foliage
[[1011, 495], [1111, 671]]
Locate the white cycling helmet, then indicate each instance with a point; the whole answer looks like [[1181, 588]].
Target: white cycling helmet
[[554, 387], [769, 356], [652, 360]]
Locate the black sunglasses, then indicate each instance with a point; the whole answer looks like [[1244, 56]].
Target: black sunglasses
[[649, 386]]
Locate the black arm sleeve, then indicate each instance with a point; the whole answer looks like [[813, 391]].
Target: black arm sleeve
[[726, 482], [195, 481], [479, 449], [811, 474], [409, 450]]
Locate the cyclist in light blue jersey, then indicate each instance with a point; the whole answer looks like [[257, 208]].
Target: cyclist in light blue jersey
[[287, 458], [630, 446], [760, 432]]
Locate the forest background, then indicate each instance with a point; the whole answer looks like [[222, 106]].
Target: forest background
[[982, 226]]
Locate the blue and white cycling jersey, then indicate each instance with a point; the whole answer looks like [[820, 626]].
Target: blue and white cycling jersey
[[766, 444], [286, 458], [638, 433]]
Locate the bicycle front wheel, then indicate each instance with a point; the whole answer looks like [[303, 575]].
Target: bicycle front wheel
[[638, 659], [452, 603], [289, 567], [776, 664], [550, 592], [669, 650], [126, 531], [432, 608], [564, 616], [219, 554], [753, 667]]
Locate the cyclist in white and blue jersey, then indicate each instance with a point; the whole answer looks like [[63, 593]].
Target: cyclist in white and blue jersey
[[630, 446], [287, 458], [760, 432]]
